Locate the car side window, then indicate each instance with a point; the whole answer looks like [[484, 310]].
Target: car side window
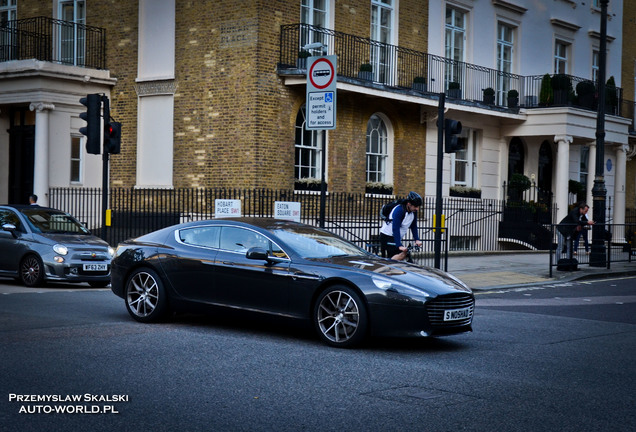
[[201, 236], [9, 217], [235, 239]]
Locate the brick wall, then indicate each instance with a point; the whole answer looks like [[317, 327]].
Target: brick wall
[[628, 73]]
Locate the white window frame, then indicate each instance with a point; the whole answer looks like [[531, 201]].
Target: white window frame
[[75, 41], [383, 33], [312, 14], [386, 151], [595, 66], [470, 138], [79, 160], [503, 65], [453, 33], [316, 145], [561, 58]]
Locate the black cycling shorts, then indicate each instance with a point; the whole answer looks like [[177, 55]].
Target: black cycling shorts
[[388, 249]]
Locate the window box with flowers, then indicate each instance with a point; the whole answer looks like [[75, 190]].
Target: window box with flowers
[[379, 188], [464, 192], [307, 184]]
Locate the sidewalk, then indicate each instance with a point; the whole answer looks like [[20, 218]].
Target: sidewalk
[[514, 269]]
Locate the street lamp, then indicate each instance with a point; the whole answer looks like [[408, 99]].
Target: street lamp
[[599, 193]]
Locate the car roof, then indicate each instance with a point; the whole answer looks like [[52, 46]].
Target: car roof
[[20, 207]]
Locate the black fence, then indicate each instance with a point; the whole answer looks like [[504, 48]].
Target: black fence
[[619, 243], [53, 40]]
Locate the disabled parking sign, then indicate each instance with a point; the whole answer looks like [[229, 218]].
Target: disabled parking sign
[[321, 93]]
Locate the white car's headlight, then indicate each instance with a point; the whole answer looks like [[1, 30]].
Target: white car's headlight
[[111, 251], [60, 249]]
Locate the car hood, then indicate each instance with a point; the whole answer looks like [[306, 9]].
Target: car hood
[[433, 280], [73, 240]]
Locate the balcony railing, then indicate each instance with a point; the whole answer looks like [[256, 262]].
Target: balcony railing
[[52, 40], [400, 69]]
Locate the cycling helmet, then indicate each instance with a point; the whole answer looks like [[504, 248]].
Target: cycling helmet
[[414, 198]]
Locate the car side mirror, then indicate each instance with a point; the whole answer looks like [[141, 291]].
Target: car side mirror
[[257, 253], [11, 228]]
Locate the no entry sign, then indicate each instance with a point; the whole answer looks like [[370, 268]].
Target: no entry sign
[[321, 93]]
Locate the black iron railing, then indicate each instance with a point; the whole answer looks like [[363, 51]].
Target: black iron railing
[[397, 68], [53, 40]]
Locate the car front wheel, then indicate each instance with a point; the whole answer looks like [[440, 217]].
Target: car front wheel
[[146, 296], [32, 271], [340, 317]]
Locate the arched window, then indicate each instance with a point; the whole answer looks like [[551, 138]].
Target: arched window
[[379, 149], [309, 145]]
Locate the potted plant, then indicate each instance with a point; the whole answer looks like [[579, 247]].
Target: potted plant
[[545, 94], [366, 72], [419, 84], [585, 94], [454, 90], [561, 87], [379, 188], [517, 185], [513, 98], [308, 184], [611, 97], [489, 96], [301, 62], [577, 188], [464, 192]]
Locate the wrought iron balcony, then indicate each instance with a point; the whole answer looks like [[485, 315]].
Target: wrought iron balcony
[[394, 68], [52, 40]]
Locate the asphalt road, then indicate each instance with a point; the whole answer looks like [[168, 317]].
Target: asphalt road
[[539, 359]]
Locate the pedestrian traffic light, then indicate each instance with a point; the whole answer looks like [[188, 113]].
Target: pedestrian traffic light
[[93, 104], [112, 138], [452, 128]]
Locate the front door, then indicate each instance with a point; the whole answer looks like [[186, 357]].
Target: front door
[[21, 157]]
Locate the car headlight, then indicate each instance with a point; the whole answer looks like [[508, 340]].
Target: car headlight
[[389, 284], [111, 251], [60, 249]]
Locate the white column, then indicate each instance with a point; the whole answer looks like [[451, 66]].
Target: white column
[[562, 174], [591, 169], [619, 192], [41, 151]]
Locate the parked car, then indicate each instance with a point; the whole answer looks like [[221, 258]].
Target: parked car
[[291, 270], [39, 244]]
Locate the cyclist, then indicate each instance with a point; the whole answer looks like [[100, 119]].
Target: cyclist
[[402, 217]]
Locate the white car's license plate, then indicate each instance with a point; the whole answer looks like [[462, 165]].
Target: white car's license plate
[[95, 267], [456, 314]]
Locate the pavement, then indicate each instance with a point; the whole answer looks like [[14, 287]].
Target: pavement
[[485, 271]]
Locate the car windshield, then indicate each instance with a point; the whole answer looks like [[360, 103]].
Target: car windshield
[[314, 243], [53, 222]]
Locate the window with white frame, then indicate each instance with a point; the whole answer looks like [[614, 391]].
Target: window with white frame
[[455, 33], [72, 34], [382, 12], [8, 43], [505, 45], [8, 11], [314, 13], [379, 159], [561, 57], [309, 145], [76, 159], [464, 161], [595, 60], [584, 165]]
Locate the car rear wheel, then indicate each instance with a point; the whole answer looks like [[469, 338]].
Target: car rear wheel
[[32, 271], [146, 296], [340, 317]]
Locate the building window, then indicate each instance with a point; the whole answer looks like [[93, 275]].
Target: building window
[[309, 145], [377, 150], [314, 13], [595, 61], [8, 11], [561, 57], [505, 45], [76, 159], [73, 33], [464, 165], [583, 166], [8, 43], [381, 31], [454, 42]]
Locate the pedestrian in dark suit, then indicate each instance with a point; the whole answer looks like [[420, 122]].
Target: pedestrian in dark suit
[[569, 227]]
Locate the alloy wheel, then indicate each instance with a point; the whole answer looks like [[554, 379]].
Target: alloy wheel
[[143, 294], [31, 271], [338, 316]]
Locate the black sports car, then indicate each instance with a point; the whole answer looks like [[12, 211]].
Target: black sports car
[[288, 269]]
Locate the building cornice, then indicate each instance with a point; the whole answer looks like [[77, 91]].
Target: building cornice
[[564, 24], [510, 6]]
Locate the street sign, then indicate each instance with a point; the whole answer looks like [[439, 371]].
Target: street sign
[[227, 208], [288, 210], [321, 93]]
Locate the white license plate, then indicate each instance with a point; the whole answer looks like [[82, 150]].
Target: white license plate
[[456, 314], [95, 267]]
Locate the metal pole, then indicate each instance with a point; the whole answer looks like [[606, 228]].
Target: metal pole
[[599, 193], [105, 156], [323, 184], [438, 192]]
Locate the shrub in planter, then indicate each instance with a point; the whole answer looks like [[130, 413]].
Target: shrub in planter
[[379, 188], [310, 184], [545, 93], [611, 98], [517, 185], [366, 72], [561, 87], [454, 90], [489, 96], [513, 98], [419, 83], [585, 94], [464, 192], [301, 62]]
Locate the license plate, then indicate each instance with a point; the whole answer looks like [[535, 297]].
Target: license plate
[[456, 314], [95, 267]]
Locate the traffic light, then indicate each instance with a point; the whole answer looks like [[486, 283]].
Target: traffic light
[[93, 104], [112, 138], [452, 128]]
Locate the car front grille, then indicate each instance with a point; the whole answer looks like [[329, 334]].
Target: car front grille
[[438, 306]]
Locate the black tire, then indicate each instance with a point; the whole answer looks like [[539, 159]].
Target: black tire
[[340, 317], [145, 296], [99, 284], [32, 271]]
